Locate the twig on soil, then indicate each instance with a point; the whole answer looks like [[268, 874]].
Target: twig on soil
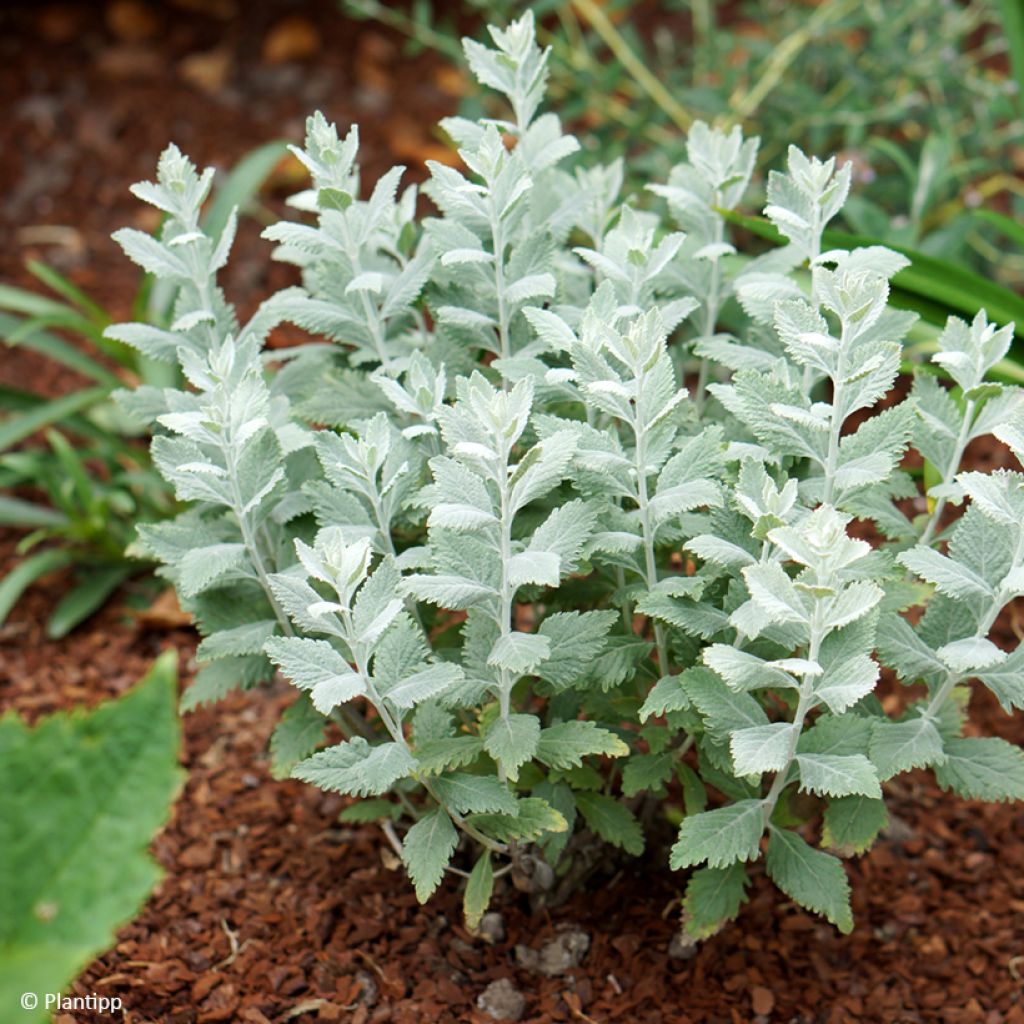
[[233, 944]]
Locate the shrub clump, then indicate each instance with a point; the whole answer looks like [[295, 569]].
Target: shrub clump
[[538, 582]]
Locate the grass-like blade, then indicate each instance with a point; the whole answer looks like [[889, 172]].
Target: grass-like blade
[[24, 574], [86, 597], [17, 428]]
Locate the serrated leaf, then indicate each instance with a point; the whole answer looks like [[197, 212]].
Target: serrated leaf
[[565, 745], [355, 768], [668, 694], [720, 837], [519, 653], [611, 820], [533, 818], [761, 748], [851, 823], [512, 741], [814, 879], [838, 775], [455, 592], [438, 755], [314, 665], [474, 794], [296, 736], [982, 769], [713, 897], [899, 746], [539, 567], [948, 576], [368, 811], [646, 771], [424, 685], [427, 849]]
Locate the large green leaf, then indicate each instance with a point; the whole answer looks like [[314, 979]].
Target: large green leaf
[[81, 796]]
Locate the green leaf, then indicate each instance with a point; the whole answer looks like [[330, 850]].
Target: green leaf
[[668, 694], [532, 819], [81, 796], [1006, 681], [519, 653], [713, 897], [17, 428], [296, 736], [365, 812], [612, 821], [425, 684], [27, 514], [899, 746], [982, 769], [242, 185], [949, 577], [724, 709], [474, 794], [25, 573], [646, 771], [814, 879], [455, 592], [437, 755], [852, 823], [426, 850], [215, 681], [566, 744], [762, 748], [88, 595], [512, 741], [355, 768], [838, 775], [576, 639], [720, 837], [314, 665], [479, 888]]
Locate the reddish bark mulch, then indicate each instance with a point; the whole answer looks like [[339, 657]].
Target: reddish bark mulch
[[270, 911]]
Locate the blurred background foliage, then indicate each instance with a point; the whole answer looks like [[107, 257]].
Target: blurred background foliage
[[916, 93]]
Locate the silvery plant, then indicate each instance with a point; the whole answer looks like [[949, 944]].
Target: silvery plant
[[571, 519]]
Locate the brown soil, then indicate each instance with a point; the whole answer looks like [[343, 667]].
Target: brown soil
[[270, 911]]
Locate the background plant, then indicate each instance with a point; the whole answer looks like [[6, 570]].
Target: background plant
[[90, 466], [931, 136], [558, 528]]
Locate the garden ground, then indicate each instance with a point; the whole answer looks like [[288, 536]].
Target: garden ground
[[270, 910]]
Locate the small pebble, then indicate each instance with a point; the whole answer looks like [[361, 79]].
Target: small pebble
[[502, 1000]]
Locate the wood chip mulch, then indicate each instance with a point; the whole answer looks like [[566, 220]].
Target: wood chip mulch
[[271, 911]]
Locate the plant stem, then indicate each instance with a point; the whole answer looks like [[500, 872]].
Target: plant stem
[[954, 465], [249, 539], [498, 240], [712, 306], [782, 56], [643, 76], [805, 704], [643, 503], [506, 593], [394, 728]]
